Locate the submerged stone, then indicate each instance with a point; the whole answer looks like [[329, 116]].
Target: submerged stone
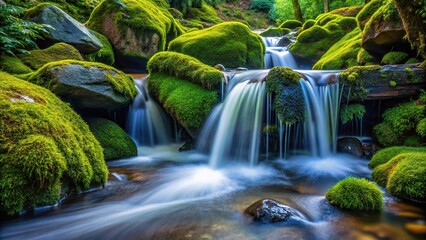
[[269, 211]]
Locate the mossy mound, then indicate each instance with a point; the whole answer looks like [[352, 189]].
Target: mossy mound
[[308, 23], [187, 102], [13, 65], [356, 194], [404, 175], [113, 139], [231, 44], [60, 51], [288, 102], [386, 154], [394, 58], [412, 61], [275, 32], [313, 42], [365, 14], [343, 54], [105, 55], [365, 58], [204, 15], [413, 141], [45, 147], [187, 68], [290, 24], [421, 128]]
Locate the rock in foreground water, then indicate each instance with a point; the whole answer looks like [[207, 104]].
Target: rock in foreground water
[[269, 211]]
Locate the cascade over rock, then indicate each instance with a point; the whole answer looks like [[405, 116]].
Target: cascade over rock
[[86, 84], [65, 28]]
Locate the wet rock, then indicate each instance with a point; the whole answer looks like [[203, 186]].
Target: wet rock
[[269, 211], [351, 145], [242, 69], [417, 228], [65, 29], [283, 42], [220, 67]]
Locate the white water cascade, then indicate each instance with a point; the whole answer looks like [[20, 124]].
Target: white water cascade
[[278, 55], [146, 122]]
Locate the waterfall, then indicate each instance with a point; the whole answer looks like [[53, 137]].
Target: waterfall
[[146, 122], [276, 55]]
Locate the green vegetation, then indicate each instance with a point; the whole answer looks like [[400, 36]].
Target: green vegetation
[[283, 84], [189, 69], [404, 175], [231, 44], [365, 14], [356, 194], [291, 24], [309, 23], [114, 140], [355, 79], [262, 5], [394, 58], [413, 141], [105, 55], [275, 32], [386, 154], [412, 61], [44, 147], [60, 51], [365, 58], [204, 14], [13, 65], [188, 103], [421, 128], [351, 112], [17, 35]]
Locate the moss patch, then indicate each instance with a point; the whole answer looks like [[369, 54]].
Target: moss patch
[[44, 146], [290, 24], [356, 194], [13, 65], [386, 154], [365, 58], [105, 55], [186, 67], [309, 23], [188, 103], [204, 14], [231, 44], [275, 32], [60, 51], [365, 14], [114, 140], [394, 58]]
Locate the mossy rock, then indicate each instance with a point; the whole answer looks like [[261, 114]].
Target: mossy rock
[[86, 84], [188, 103], [105, 55], [412, 61], [404, 175], [13, 65], [356, 194], [366, 58], [274, 32], [348, 11], [231, 44], [45, 147], [413, 141], [60, 51], [308, 23], [367, 11], [386, 154], [137, 30], [394, 58], [205, 14], [113, 139], [187, 68], [343, 54], [291, 24], [421, 128], [288, 102]]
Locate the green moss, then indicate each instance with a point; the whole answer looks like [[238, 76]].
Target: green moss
[[404, 175], [313, 34], [386, 154], [44, 146], [187, 68], [356, 194], [394, 58], [275, 32], [421, 128], [173, 93], [114, 140], [365, 58], [412, 61], [365, 14], [392, 84], [60, 51], [288, 102], [308, 24], [324, 18], [387, 12], [343, 54], [350, 112], [105, 54], [120, 81], [386, 135], [13, 65], [231, 44], [290, 24], [354, 79], [205, 13], [413, 141]]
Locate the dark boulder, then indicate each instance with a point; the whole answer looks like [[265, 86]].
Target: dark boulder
[[269, 211]]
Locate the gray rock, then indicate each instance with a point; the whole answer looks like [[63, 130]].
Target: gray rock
[[269, 211], [351, 145], [65, 29]]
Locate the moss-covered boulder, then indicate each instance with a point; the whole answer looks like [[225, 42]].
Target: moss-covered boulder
[[356, 194], [204, 15], [113, 139], [45, 148], [274, 32], [394, 57], [105, 54], [64, 28], [60, 51], [291, 24], [136, 29], [367, 11], [308, 23], [386, 154], [283, 84], [86, 84], [13, 65], [231, 44], [404, 175], [365, 58], [187, 92], [384, 30]]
